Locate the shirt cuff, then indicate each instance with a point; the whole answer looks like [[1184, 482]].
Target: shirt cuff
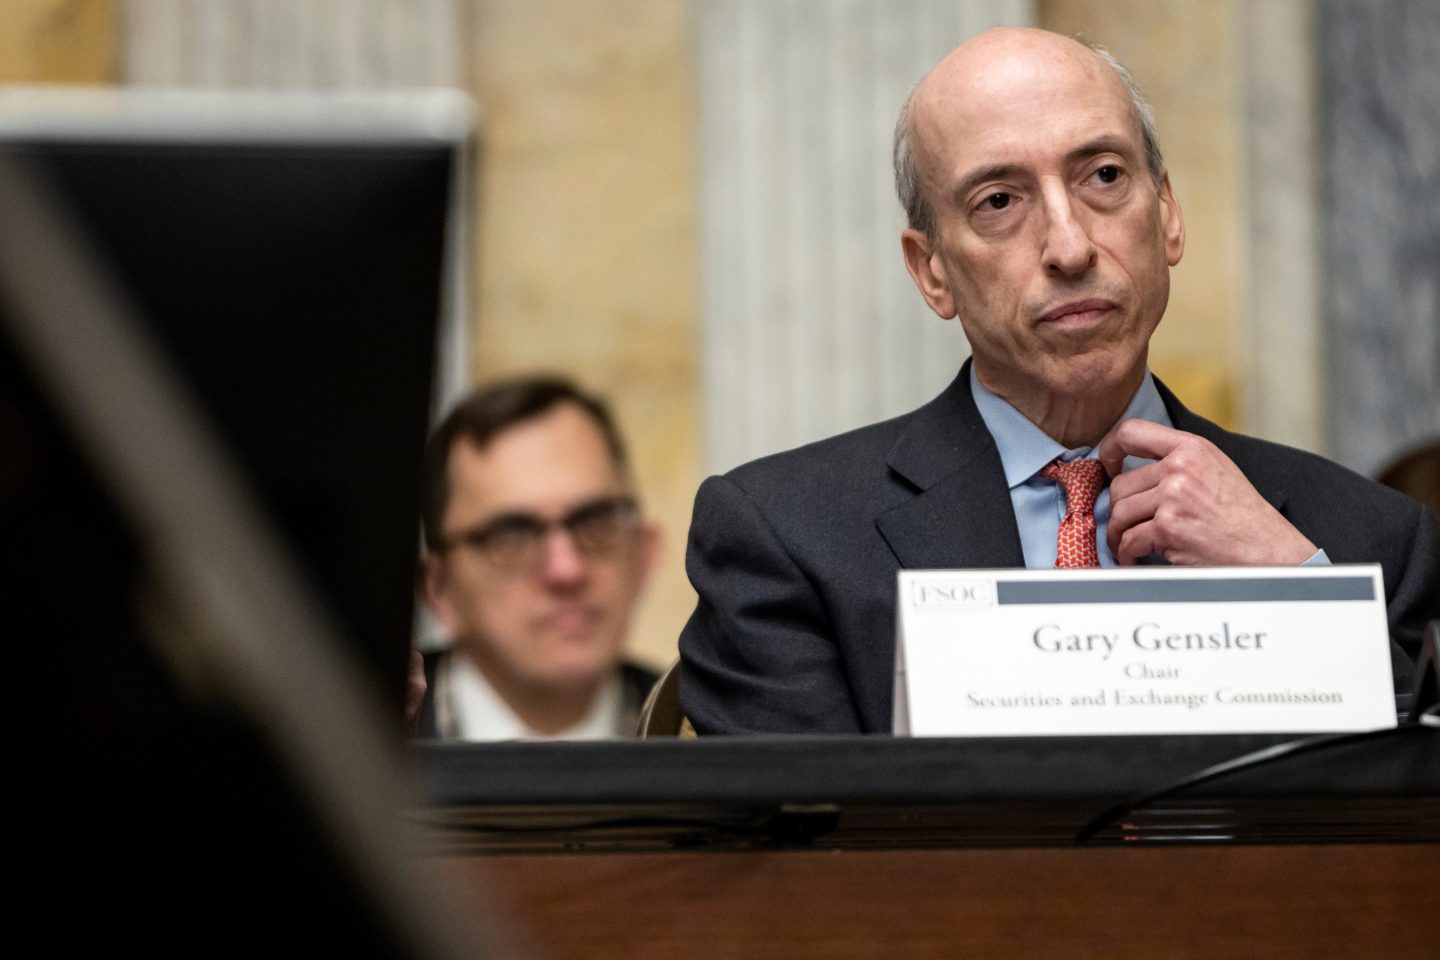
[[1319, 560]]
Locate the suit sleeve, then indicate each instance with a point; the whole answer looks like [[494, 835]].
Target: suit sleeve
[[1414, 599], [759, 654]]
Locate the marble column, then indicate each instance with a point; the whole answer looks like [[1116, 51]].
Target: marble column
[[1281, 388], [810, 323], [290, 44], [1380, 156]]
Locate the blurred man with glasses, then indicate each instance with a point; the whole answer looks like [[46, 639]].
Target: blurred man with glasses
[[536, 553]]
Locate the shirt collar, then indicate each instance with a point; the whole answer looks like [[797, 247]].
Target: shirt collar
[[478, 712], [1024, 448]]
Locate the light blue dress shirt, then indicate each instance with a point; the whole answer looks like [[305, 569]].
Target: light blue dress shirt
[[1040, 503], [1025, 449]]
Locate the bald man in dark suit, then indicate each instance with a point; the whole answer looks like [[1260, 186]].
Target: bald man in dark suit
[[1042, 217]]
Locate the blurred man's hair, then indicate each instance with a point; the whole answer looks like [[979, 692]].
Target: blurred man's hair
[[491, 409]]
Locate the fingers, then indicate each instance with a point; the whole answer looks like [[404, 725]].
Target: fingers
[[1137, 438], [1192, 506], [1137, 496], [1137, 543], [1127, 513], [1131, 482]]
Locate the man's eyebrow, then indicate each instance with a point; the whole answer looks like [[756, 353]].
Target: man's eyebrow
[[516, 518], [993, 171], [1107, 143]]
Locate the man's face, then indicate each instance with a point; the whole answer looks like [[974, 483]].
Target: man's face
[[561, 620], [1054, 243]]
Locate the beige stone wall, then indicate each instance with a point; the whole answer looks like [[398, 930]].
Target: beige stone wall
[[586, 241], [1183, 55], [57, 41]]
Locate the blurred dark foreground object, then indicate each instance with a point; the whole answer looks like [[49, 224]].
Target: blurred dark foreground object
[[290, 257], [155, 815], [206, 767]]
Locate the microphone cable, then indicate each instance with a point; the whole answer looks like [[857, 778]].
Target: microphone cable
[[1428, 721]]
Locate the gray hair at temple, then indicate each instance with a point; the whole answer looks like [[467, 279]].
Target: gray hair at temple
[[918, 211]]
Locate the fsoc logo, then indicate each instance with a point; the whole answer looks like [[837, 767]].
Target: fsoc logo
[[952, 595]]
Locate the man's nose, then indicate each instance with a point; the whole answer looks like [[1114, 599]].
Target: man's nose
[[565, 565], [1068, 250]]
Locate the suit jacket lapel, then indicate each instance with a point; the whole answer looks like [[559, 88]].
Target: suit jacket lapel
[[961, 515]]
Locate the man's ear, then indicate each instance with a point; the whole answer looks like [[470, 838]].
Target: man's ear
[[430, 585], [1172, 222], [923, 262]]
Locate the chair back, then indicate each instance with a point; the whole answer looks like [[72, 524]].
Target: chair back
[[661, 715]]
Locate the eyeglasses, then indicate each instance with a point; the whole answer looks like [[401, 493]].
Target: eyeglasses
[[515, 542]]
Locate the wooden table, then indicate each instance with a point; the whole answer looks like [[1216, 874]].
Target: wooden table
[[936, 849]]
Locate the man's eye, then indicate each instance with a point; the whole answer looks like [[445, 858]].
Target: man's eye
[[1108, 173], [510, 535], [996, 201]]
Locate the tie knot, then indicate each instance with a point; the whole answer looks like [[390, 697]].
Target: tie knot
[[1081, 480]]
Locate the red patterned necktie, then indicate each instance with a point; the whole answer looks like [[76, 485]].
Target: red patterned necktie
[[1081, 480]]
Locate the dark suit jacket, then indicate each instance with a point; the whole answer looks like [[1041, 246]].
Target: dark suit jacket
[[794, 557], [635, 684]]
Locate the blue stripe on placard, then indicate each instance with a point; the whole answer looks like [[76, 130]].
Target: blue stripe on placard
[[1184, 591]]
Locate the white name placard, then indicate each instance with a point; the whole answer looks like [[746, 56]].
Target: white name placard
[[1142, 650]]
